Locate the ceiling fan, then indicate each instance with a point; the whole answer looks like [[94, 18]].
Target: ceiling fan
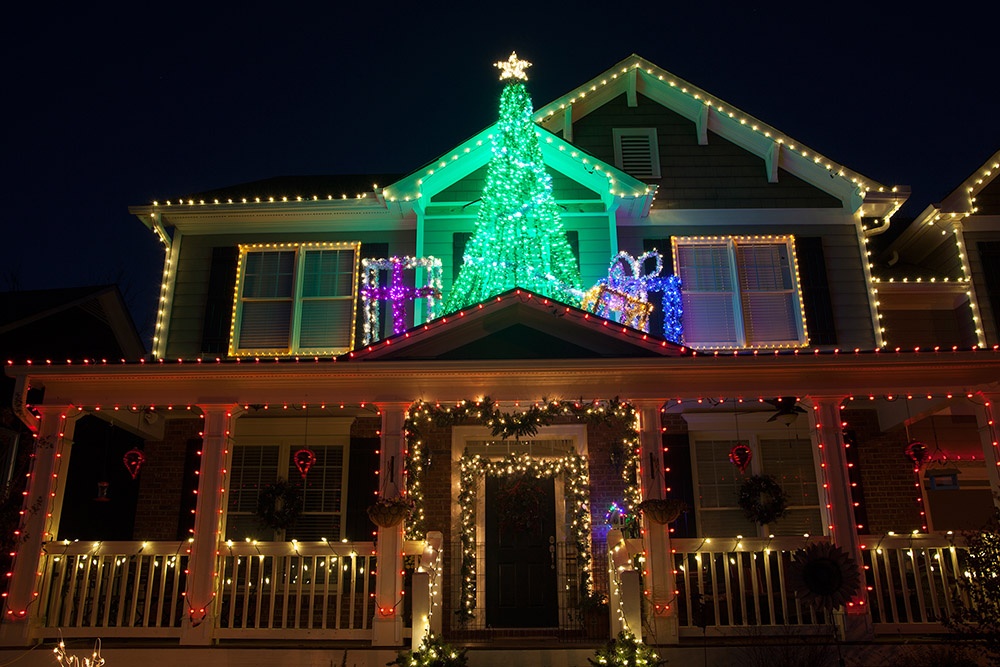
[[785, 409]]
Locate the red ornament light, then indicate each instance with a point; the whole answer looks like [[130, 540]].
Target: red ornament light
[[916, 451], [304, 460], [740, 456], [133, 459]]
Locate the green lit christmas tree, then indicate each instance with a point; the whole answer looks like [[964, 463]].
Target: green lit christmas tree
[[519, 239]]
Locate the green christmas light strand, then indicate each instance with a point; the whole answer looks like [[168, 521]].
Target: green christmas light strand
[[518, 239]]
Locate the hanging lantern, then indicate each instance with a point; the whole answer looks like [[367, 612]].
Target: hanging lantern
[[102, 492], [133, 459], [304, 460], [740, 456], [916, 451]]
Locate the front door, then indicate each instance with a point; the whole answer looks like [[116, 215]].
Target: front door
[[520, 526]]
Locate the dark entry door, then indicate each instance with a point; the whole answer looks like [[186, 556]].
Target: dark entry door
[[520, 527]]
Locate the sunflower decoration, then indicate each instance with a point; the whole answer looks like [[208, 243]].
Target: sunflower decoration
[[824, 576]]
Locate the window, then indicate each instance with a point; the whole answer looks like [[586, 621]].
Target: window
[[739, 292], [295, 299], [255, 466], [637, 151], [789, 460]]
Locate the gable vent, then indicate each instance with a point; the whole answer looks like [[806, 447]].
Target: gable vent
[[636, 152]]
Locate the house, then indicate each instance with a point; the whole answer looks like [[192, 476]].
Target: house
[[524, 430]]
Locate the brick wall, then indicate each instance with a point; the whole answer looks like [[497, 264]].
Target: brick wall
[[162, 483], [886, 475]]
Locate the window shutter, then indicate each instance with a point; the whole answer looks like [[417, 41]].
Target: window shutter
[[637, 151], [815, 290], [219, 300], [707, 295], [373, 251], [662, 246], [766, 291], [361, 488], [458, 242]]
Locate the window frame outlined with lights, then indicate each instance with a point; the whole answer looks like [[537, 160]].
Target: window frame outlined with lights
[[286, 289]]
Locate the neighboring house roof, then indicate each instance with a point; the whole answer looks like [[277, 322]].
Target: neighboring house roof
[[75, 322], [635, 75], [306, 188], [979, 194], [518, 324]]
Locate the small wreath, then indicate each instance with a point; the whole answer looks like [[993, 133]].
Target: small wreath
[[762, 499], [279, 504]]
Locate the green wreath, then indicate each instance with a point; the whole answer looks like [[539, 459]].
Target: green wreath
[[279, 504], [762, 499]]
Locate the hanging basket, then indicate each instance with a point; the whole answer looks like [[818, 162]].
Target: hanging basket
[[390, 512], [662, 510]]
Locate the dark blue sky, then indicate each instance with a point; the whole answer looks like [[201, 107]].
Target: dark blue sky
[[113, 107]]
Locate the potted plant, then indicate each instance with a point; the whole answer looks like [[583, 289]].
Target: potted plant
[[662, 510], [389, 512]]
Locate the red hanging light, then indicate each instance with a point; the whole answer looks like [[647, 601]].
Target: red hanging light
[[304, 460], [740, 456], [133, 459], [916, 451]]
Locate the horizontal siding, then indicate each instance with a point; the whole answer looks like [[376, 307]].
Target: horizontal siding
[[470, 188], [943, 261], [845, 273], [718, 175], [910, 328], [593, 239], [187, 307]]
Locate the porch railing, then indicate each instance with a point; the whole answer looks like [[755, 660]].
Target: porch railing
[[912, 580], [113, 589], [296, 589], [739, 583]]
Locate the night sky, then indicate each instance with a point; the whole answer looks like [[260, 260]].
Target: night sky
[[111, 107]]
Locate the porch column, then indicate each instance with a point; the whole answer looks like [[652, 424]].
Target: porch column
[[659, 567], [203, 548], [828, 437], [39, 524], [387, 626], [989, 429]]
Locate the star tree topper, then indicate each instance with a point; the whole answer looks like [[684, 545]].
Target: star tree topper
[[513, 68]]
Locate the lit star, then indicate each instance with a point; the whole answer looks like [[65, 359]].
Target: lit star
[[513, 68]]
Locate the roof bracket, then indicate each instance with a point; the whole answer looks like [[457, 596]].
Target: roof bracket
[[568, 123], [772, 161], [701, 124], [630, 95]]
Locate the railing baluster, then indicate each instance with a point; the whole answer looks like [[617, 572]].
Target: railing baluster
[[781, 586], [84, 589], [918, 583], [903, 588], [164, 569], [755, 587], [770, 587], [742, 588], [327, 575]]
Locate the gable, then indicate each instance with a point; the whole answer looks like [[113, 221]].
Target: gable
[[519, 325], [636, 76], [470, 188], [719, 174]]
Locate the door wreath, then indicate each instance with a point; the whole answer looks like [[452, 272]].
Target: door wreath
[[762, 499], [279, 504]]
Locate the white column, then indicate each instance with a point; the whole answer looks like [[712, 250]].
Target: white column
[[989, 431], [39, 523], [659, 568], [828, 437], [203, 548], [387, 626]]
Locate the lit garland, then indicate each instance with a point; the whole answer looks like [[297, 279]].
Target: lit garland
[[518, 240], [396, 292], [573, 467], [504, 425], [94, 660]]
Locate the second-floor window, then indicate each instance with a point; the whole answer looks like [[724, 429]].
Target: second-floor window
[[295, 299], [739, 292]]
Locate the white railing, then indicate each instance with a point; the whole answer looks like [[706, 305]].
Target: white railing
[[739, 583], [320, 590], [113, 589], [912, 580]]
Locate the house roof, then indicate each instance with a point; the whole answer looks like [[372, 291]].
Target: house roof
[[35, 323], [635, 75], [295, 188], [518, 324]]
